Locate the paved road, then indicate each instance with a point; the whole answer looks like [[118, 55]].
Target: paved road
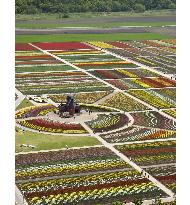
[[104, 19], [169, 30]]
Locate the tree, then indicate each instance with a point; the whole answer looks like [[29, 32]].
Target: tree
[[139, 8]]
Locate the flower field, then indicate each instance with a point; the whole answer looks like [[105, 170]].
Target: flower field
[[153, 153], [67, 162], [127, 95], [153, 119], [51, 126], [135, 133], [108, 122], [88, 98], [153, 98], [165, 174], [90, 189], [124, 103]]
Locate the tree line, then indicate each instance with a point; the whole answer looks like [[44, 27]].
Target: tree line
[[72, 6]]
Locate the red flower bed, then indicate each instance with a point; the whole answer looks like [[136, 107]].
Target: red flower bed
[[56, 156], [154, 82], [151, 43], [55, 125], [33, 57], [118, 84], [119, 44], [62, 46], [150, 151], [24, 47], [106, 74]]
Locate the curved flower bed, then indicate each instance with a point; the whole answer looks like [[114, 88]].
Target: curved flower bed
[[153, 119], [108, 122], [34, 111], [51, 126], [137, 134]]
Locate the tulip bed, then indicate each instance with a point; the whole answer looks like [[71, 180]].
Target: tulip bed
[[123, 102], [66, 162], [108, 122], [165, 174], [153, 119], [137, 134], [57, 82], [153, 98], [123, 73], [51, 126], [34, 111], [90, 189], [152, 153], [81, 97]]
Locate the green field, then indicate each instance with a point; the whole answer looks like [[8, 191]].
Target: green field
[[98, 25], [23, 104], [47, 142], [89, 37]]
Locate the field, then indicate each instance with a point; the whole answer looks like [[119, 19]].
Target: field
[[121, 151]]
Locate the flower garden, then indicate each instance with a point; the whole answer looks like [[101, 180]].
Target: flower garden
[[127, 99]]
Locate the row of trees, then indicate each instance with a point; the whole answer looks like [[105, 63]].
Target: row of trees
[[71, 6]]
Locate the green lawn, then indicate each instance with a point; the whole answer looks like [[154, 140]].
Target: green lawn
[[48, 142], [23, 104], [98, 24], [88, 37]]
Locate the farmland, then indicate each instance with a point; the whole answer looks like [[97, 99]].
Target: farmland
[[124, 149]]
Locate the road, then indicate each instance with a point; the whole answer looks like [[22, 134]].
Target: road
[[167, 30]]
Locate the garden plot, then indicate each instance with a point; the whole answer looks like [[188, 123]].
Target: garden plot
[[151, 153], [56, 83], [132, 120], [123, 73], [141, 83], [123, 102], [87, 97], [155, 98], [109, 178], [135, 133], [153, 119]]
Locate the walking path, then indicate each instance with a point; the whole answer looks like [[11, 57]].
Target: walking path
[[19, 198], [20, 98]]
